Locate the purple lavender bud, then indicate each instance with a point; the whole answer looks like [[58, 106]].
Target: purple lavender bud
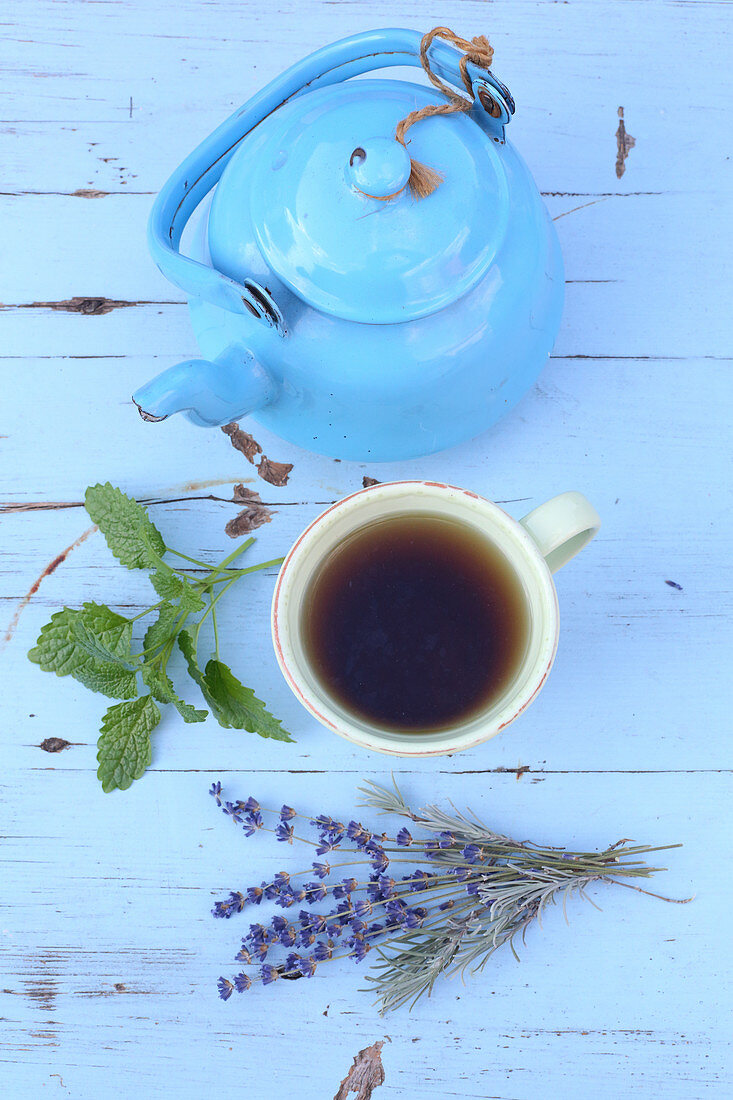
[[374, 890], [284, 832], [287, 813], [308, 966], [386, 885], [254, 895], [215, 792], [419, 880], [252, 806], [472, 853], [305, 939], [270, 890], [447, 840], [287, 937], [404, 838], [242, 982], [472, 888], [291, 962], [260, 951], [323, 821], [279, 923], [363, 908], [286, 898], [315, 891], [327, 844], [321, 870], [322, 952], [237, 900], [269, 974], [360, 949], [253, 823], [459, 873], [305, 918], [414, 918], [233, 811], [374, 929], [357, 925], [221, 909], [225, 988], [243, 954], [380, 862], [282, 878], [319, 923], [343, 907], [334, 928], [355, 830], [257, 934], [430, 847]]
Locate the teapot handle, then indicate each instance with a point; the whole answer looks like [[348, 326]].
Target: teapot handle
[[200, 171]]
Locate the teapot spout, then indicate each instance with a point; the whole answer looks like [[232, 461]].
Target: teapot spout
[[208, 392]]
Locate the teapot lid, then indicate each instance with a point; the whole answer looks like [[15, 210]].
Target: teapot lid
[[334, 219]]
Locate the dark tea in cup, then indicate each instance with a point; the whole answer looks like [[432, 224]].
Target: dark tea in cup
[[415, 622]]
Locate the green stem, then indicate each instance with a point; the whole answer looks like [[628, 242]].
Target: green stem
[[146, 611], [214, 600], [216, 631], [195, 561], [222, 566]]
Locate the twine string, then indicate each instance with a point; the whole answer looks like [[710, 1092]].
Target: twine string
[[423, 179]]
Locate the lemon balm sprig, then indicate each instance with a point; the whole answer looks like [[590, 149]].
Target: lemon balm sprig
[[95, 644]]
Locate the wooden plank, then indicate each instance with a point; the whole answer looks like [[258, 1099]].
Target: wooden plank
[[627, 276], [587, 1008], [183, 73]]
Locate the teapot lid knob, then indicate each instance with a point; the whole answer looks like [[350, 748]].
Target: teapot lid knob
[[379, 168]]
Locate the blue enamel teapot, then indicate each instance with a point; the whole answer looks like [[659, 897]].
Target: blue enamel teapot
[[331, 302]]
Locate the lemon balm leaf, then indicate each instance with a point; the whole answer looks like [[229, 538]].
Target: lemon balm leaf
[[124, 749], [91, 644], [236, 706], [130, 534]]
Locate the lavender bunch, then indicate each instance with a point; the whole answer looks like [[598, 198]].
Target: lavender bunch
[[469, 891]]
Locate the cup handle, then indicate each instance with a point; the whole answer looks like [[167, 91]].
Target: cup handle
[[561, 527]]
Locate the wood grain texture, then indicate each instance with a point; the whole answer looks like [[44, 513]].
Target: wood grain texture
[[108, 953]]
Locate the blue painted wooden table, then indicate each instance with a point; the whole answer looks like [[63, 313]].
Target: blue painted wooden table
[[109, 954]]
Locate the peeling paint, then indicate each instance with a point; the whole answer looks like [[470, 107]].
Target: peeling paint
[[54, 744], [88, 307], [366, 1074], [624, 142], [50, 568]]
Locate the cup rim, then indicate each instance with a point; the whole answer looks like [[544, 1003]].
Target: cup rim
[[359, 737]]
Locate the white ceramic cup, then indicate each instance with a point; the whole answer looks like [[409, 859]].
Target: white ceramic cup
[[536, 547]]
